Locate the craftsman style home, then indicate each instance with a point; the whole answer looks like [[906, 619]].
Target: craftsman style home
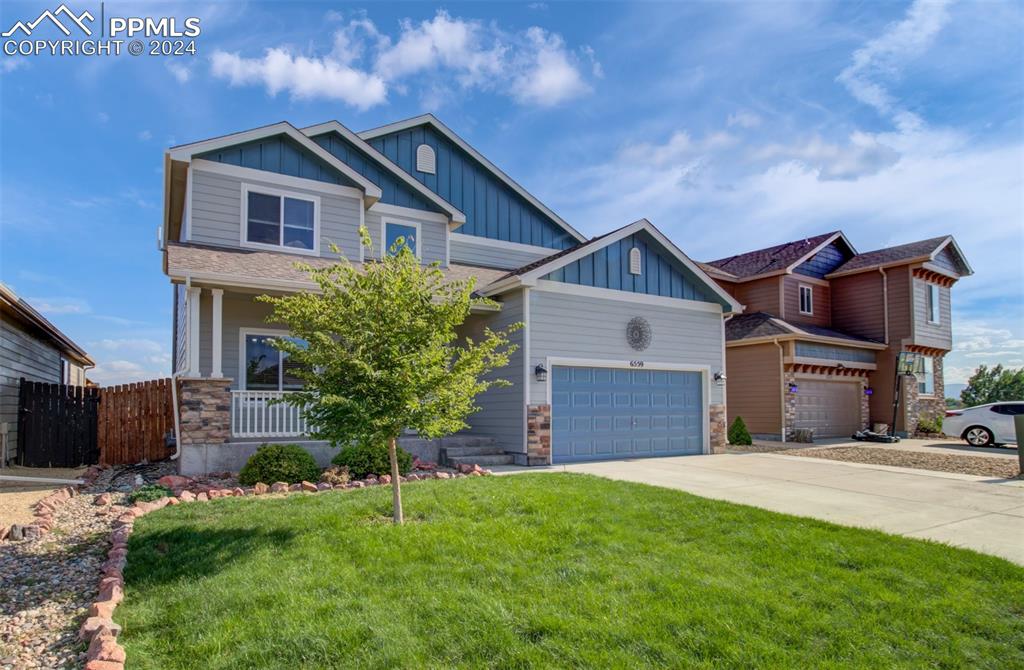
[[823, 326], [621, 353]]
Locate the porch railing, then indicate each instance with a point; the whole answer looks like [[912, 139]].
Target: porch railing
[[253, 414]]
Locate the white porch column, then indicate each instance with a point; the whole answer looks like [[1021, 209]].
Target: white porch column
[[218, 340], [193, 331]]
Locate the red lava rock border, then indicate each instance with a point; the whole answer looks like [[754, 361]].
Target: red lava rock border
[[44, 510], [99, 629]]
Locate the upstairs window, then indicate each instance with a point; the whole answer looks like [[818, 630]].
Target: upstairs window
[[933, 303], [806, 299], [635, 266], [926, 378], [279, 219], [426, 160], [408, 233]]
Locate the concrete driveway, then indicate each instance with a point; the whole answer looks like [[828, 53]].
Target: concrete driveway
[[979, 513]]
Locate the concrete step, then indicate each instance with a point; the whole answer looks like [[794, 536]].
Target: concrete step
[[492, 459], [472, 451]]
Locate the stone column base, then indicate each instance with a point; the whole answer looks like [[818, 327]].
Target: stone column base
[[204, 406], [538, 434], [717, 430]]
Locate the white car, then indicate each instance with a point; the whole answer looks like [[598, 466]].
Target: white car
[[985, 424]]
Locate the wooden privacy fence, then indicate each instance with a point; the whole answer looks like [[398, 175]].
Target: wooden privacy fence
[[133, 422], [67, 426], [57, 425]]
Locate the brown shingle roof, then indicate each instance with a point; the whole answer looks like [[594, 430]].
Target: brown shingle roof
[[252, 265], [902, 252], [772, 259], [762, 324]]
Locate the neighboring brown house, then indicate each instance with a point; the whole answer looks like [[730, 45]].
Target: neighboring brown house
[[817, 344], [33, 348]]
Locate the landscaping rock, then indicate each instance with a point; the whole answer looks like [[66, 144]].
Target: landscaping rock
[[237, 492], [309, 487], [103, 499], [279, 487], [174, 481], [94, 624], [105, 648], [202, 497], [295, 487], [104, 665], [385, 479], [324, 486], [187, 496], [260, 489]]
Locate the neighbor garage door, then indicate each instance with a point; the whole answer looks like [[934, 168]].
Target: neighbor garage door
[[604, 413], [831, 408]]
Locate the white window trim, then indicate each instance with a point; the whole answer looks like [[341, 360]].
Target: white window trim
[[245, 332], [924, 375], [933, 299], [810, 299], [295, 195], [400, 222]]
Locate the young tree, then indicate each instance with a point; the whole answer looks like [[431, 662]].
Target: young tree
[[993, 385], [381, 353]]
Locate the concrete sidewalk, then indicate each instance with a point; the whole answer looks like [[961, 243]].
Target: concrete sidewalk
[[979, 513]]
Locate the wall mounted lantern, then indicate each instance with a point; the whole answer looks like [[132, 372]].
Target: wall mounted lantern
[[541, 372], [720, 378], [869, 391], [793, 388]]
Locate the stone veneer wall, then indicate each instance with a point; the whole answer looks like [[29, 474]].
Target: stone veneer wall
[[538, 434], [917, 406], [790, 399], [205, 409], [718, 438]]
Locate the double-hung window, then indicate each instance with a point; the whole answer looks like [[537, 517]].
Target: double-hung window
[[265, 367], [933, 303], [408, 232], [926, 378], [806, 299], [272, 218]]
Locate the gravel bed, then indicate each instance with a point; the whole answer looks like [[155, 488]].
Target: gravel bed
[[47, 585], [983, 466]]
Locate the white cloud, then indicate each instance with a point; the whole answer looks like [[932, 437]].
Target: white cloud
[[549, 76], [743, 119], [435, 56], [139, 345], [882, 57], [863, 155], [62, 305], [12, 63], [145, 135], [182, 73], [102, 117], [303, 77]]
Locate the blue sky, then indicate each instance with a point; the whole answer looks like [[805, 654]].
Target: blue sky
[[731, 126]]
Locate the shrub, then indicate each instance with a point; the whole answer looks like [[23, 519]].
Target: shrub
[[149, 493], [336, 474], [929, 424], [279, 463], [738, 433], [371, 459]]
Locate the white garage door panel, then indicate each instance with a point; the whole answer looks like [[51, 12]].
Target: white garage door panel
[[830, 408]]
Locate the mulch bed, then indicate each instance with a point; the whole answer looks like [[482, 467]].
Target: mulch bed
[[984, 466]]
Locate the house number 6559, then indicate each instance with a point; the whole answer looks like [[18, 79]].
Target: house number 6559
[[636, 364]]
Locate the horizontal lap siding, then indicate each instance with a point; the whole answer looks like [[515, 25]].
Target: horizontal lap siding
[[478, 251], [240, 310], [761, 295], [754, 387], [502, 415], [216, 213], [857, 305], [21, 355], [938, 335], [433, 241], [821, 303], [574, 326]]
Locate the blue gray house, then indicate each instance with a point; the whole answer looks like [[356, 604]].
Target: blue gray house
[[622, 350]]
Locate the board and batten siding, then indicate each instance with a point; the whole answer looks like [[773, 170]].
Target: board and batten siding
[[433, 236], [755, 382], [577, 326], [216, 213], [21, 355], [480, 251], [503, 409], [938, 335]]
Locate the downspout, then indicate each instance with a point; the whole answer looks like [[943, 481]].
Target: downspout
[[782, 389], [174, 391], [885, 303]]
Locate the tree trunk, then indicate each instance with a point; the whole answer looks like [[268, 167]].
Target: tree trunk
[[396, 484]]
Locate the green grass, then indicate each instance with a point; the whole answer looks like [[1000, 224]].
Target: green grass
[[551, 570]]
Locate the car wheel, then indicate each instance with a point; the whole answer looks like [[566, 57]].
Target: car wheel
[[978, 436]]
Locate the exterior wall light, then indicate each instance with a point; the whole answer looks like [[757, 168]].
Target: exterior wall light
[[793, 388], [720, 378], [541, 372], [869, 391]]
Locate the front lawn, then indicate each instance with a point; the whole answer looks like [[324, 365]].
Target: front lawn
[[551, 570]]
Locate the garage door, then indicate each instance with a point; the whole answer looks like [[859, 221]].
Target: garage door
[[832, 409], [604, 413]]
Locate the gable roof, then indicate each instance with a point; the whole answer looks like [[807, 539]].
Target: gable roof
[[761, 326], [527, 275], [10, 302], [185, 152], [780, 259], [435, 123], [457, 217], [921, 251]]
